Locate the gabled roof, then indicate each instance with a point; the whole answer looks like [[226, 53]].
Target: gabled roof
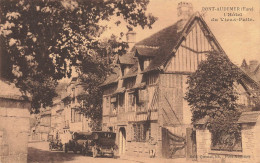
[[162, 45], [159, 45], [169, 39]]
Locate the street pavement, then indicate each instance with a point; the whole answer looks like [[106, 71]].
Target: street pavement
[[38, 152]]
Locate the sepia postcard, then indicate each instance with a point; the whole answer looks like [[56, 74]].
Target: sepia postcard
[[132, 81]]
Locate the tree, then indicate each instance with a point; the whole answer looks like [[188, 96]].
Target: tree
[[44, 39], [211, 94]]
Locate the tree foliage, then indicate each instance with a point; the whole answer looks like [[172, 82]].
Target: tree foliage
[[211, 94], [46, 38]]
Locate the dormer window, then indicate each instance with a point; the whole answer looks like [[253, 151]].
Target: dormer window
[[125, 62], [126, 69], [144, 63], [147, 62]]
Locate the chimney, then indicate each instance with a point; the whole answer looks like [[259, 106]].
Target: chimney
[[252, 65], [184, 12], [130, 38]]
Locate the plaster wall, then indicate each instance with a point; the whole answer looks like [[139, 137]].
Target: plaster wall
[[14, 131]]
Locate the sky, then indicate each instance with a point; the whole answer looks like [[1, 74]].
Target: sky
[[240, 39]]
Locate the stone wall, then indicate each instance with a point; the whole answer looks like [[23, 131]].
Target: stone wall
[[248, 139], [203, 140], [14, 130], [250, 146], [251, 141]]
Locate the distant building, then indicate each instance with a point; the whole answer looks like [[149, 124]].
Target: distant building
[[75, 120], [43, 127], [252, 69]]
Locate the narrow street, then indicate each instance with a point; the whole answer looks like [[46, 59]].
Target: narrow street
[[38, 152]]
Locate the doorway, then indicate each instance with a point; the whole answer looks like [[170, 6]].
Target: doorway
[[122, 141]]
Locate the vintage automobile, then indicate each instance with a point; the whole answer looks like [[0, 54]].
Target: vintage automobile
[[77, 142], [100, 143], [55, 144]]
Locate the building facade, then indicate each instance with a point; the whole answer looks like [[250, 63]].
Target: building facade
[[74, 119], [143, 99]]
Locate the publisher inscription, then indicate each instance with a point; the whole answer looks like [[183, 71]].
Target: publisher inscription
[[230, 14]]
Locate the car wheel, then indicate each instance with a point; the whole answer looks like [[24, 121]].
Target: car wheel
[[83, 152], [94, 152], [66, 149], [75, 150]]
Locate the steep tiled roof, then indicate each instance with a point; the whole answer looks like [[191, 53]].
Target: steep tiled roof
[[159, 45], [113, 77], [127, 59], [132, 72], [146, 51], [249, 117]]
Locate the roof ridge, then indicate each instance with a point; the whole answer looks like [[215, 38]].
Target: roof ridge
[[146, 46]]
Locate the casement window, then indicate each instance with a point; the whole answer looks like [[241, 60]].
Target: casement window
[[142, 93], [146, 63], [113, 105], [141, 132], [121, 102], [106, 105], [76, 116], [141, 100], [131, 101]]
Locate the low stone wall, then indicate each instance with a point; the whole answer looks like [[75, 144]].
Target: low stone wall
[[14, 131], [249, 153]]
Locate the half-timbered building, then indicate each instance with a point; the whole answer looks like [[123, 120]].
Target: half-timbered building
[[143, 100]]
